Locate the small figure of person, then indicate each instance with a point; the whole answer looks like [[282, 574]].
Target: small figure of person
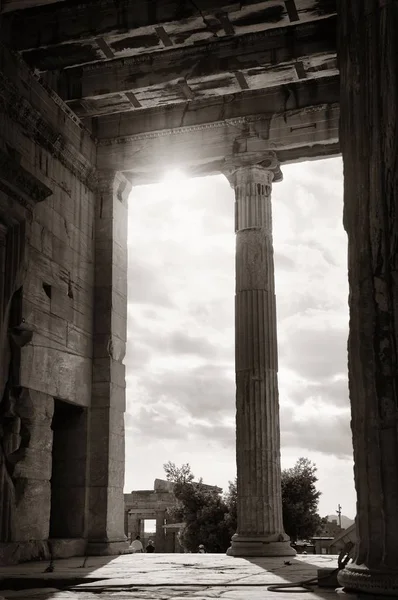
[[150, 547], [201, 549], [137, 546]]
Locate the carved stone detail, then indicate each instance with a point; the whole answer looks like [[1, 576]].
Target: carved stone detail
[[233, 122], [19, 184], [36, 127]]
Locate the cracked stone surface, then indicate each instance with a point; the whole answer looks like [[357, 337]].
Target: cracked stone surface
[[164, 577]]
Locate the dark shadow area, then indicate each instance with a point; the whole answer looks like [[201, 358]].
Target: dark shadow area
[[295, 571], [62, 574], [29, 583], [68, 479]]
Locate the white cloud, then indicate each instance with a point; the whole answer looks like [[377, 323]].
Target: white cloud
[[180, 355]]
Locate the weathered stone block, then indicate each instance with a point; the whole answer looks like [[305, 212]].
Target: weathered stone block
[[65, 548], [83, 318], [107, 272], [106, 346], [41, 238], [33, 509], [78, 340], [116, 468], [106, 369], [15, 552], [35, 405], [108, 250], [106, 525], [34, 464], [43, 322], [107, 548], [70, 374], [61, 303], [106, 393]]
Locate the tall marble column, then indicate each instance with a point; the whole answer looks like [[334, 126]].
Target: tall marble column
[[368, 61], [260, 526]]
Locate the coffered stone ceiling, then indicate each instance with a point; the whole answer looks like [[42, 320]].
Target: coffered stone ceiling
[[146, 74]]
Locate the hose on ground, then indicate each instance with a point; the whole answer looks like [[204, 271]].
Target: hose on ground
[[307, 585]]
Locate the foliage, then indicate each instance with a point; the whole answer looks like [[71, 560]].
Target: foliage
[[211, 518], [203, 510], [300, 500], [231, 500]]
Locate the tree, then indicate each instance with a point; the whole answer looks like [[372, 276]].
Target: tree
[[203, 510], [231, 500], [211, 518], [300, 500]]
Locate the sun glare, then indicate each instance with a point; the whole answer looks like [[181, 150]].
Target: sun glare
[[176, 183], [174, 176]]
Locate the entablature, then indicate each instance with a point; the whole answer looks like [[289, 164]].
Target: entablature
[[304, 132]]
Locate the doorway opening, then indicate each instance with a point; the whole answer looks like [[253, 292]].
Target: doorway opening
[[148, 531], [68, 477]]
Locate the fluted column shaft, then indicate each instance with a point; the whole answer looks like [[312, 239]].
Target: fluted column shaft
[[260, 525], [368, 59]]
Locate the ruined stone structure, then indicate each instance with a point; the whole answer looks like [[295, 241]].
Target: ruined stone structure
[[151, 504], [98, 96], [155, 504]]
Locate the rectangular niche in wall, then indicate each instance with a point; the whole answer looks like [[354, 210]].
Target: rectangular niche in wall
[[68, 479]]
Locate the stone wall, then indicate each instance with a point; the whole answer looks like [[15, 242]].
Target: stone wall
[[47, 312]]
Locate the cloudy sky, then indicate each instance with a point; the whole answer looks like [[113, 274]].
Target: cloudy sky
[[180, 354]]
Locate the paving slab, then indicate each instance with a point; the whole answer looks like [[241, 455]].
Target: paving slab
[[165, 577]]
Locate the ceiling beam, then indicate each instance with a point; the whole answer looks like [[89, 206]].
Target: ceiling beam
[[17, 5], [274, 100], [67, 34], [268, 48], [81, 20]]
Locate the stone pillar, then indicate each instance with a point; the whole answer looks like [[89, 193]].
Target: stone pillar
[[260, 527], [106, 501], [170, 542], [160, 540], [368, 60], [135, 527], [142, 530]]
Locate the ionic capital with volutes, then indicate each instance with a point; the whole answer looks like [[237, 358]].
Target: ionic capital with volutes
[[266, 162]]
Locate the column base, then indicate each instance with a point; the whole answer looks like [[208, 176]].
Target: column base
[[107, 548], [358, 580], [259, 546]]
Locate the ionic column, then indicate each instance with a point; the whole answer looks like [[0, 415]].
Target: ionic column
[[260, 527], [368, 62]]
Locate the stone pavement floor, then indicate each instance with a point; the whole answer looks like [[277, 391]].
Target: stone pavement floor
[[165, 577]]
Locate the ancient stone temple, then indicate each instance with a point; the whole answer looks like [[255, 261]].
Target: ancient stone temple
[[154, 505], [98, 96]]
